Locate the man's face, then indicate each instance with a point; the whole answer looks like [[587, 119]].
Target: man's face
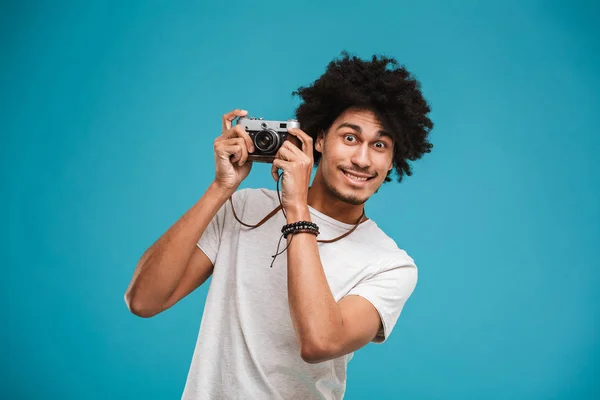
[[356, 156]]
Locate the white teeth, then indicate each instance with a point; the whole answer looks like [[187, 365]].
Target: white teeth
[[354, 177]]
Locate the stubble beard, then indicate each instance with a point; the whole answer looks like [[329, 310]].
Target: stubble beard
[[350, 199]]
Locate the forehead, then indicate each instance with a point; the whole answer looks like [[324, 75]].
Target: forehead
[[366, 122], [366, 119]]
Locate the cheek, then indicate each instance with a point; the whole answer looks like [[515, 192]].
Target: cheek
[[389, 162], [384, 162], [333, 155]]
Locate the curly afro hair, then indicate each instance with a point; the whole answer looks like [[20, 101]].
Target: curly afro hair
[[379, 85]]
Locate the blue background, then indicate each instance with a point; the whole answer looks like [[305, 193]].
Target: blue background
[[108, 113]]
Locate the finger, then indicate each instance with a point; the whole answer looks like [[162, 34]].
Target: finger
[[235, 150], [242, 155], [281, 164], [234, 141], [307, 141], [231, 152], [230, 116], [286, 154], [292, 148], [239, 131], [275, 172]]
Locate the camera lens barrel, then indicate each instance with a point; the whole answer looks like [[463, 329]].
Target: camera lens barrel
[[266, 140]]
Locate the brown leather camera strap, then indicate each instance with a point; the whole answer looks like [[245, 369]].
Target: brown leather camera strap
[[276, 210], [347, 233], [265, 219]]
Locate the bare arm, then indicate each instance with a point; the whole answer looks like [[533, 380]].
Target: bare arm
[[174, 266], [174, 256], [325, 329]]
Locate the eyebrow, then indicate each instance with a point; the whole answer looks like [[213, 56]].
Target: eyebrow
[[359, 130]]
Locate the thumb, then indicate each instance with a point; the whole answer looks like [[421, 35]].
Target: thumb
[[274, 173]]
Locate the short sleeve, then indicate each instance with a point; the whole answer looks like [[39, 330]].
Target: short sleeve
[[388, 291], [210, 241]]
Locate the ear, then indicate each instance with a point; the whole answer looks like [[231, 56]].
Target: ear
[[319, 142]]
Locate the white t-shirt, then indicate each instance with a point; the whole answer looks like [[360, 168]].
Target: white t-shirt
[[246, 347]]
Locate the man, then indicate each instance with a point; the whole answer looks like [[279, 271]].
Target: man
[[284, 326]]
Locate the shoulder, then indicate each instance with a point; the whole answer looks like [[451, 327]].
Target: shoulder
[[255, 195], [392, 255], [254, 202]]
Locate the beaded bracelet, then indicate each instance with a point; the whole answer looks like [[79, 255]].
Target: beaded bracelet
[[316, 233], [300, 227], [293, 228], [300, 230]]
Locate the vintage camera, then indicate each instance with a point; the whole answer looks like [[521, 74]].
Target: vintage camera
[[267, 136]]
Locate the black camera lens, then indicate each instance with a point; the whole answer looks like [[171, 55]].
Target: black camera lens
[[266, 141]]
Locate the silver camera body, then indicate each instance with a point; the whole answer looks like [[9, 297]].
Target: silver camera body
[[267, 136]]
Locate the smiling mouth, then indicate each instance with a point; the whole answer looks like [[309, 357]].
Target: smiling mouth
[[356, 178]]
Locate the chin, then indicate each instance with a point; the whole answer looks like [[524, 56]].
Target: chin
[[351, 199], [355, 201], [349, 196]]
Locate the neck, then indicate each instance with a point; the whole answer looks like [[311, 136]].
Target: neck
[[323, 200]]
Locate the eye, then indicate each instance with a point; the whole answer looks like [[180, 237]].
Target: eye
[[349, 137], [380, 145]]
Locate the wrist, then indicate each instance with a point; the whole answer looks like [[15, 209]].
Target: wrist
[[298, 212], [221, 190], [300, 227]]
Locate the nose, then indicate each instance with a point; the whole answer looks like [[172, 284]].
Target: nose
[[361, 156]]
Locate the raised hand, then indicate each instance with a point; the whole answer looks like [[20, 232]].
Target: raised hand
[[231, 150], [296, 164]]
